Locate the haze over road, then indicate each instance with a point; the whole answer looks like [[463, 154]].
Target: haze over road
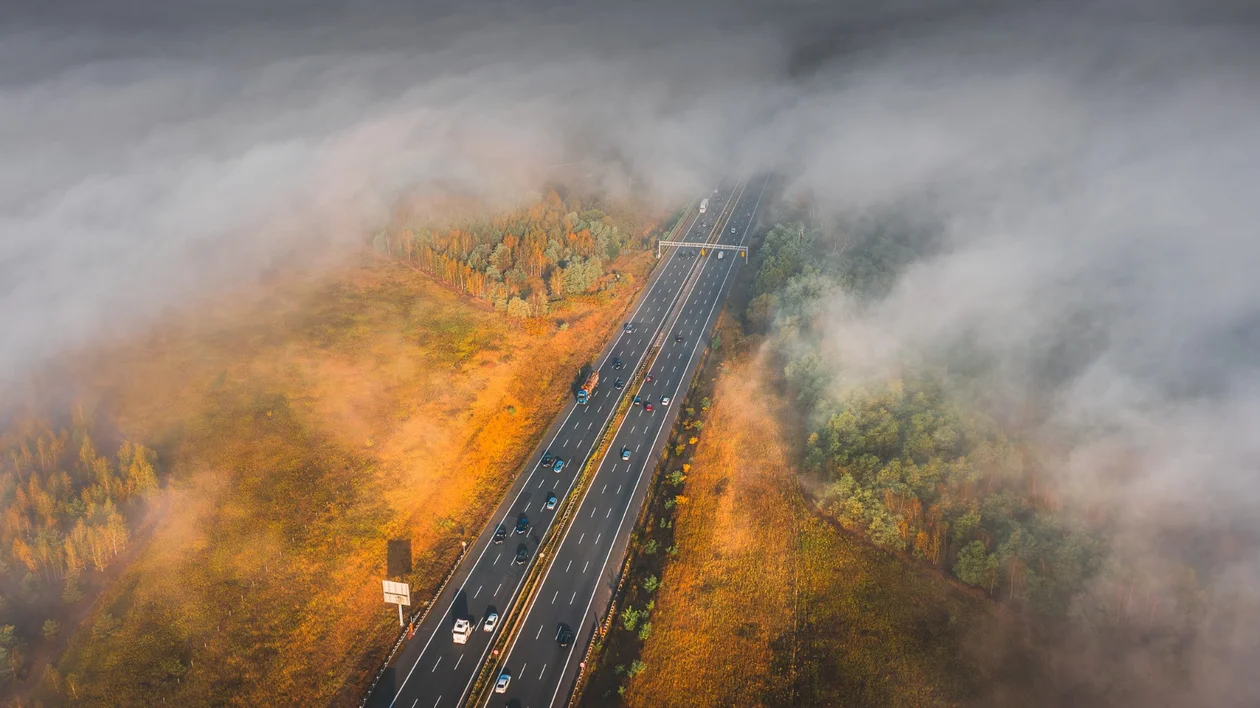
[[431, 666], [583, 571]]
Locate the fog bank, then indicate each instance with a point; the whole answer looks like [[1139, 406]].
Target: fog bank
[[1090, 168]]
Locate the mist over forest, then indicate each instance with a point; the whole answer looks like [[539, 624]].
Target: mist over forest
[[1085, 173]]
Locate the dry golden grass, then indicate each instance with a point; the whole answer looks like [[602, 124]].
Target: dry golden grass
[[768, 604], [303, 426]]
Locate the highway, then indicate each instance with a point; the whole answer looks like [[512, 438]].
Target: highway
[[433, 671], [583, 571]]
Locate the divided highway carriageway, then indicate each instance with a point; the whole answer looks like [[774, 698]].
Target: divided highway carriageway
[[684, 295]]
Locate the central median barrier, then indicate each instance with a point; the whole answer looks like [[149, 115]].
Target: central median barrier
[[490, 670]]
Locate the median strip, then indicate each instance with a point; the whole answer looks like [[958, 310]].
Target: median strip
[[490, 670]]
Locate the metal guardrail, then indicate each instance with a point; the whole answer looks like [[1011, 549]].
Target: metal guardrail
[[585, 667], [485, 674], [414, 621], [491, 669]]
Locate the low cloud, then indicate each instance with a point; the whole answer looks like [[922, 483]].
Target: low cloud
[[1089, 168]]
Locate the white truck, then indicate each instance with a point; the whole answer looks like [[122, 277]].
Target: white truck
[[704, 205], [461, 631]]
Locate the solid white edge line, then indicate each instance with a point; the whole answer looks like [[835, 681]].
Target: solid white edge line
[[507, 656], [694, 347]]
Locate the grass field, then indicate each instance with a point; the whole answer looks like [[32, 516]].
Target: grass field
[[766, 603], [301, 427]]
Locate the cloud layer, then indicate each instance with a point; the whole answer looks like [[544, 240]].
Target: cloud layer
[[1091, 167]]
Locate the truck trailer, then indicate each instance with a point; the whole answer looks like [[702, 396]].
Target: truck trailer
[[588, 388]]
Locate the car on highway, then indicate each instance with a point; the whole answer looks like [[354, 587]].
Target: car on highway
[[732, 229], [500, 533], [522, 523], [629, 326], [638, 401], [501, 685], [551, 502], [665, 400], [625, 452], [721, 255], [648, 379], [647, 407], [558, 465], [619, 384], [617, 364], [678, 337], [547, 459], [492, 621], [522, 554], [564, 636]]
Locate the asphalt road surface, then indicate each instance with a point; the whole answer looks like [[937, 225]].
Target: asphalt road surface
[[431, 670], [582, 573]]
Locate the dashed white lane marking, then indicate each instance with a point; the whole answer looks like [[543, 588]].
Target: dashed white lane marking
[[580, 539], [435, 665], [461, 658], [553, 597], [570, 565], [597, 539], [478, 591], [496, 590], [544, 670], [573, 598], [619, 489], [496, 559], [536, 636], [585, 566]]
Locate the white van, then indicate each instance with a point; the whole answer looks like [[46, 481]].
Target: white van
[[720, 254]]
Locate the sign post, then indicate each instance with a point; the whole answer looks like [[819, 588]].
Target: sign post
[[399, 594]]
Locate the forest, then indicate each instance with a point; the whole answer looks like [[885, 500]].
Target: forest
[[68, 512], [904, 461], [521, 260]]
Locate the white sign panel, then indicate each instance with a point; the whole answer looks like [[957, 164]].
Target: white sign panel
[[397, 593]]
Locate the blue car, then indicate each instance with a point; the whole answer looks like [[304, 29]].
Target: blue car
[[559, 465], [625, 453]]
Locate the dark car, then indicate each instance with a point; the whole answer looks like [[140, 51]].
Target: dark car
[[522, 555], [629, 326], [617, 364], [557, 465], [522, 523], [678, 337], [500, 533], [619, 384], [637, 400], [564, 636], [547, 459]]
